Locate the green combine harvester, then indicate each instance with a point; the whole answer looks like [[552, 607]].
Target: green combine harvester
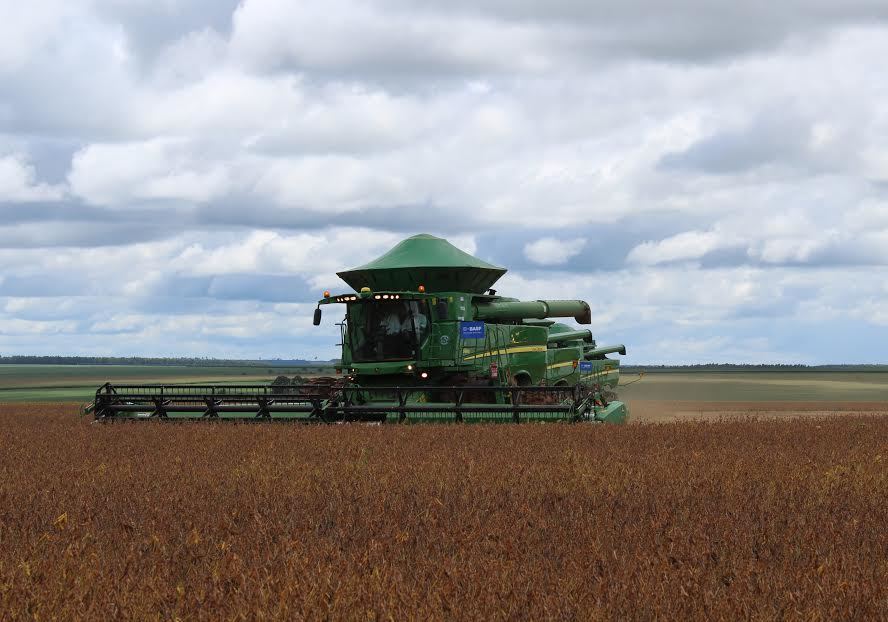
[[424, 338]]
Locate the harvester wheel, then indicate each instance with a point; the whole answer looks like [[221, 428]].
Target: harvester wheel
[[521, 380]]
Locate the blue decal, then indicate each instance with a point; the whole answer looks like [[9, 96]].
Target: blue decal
[[471, 330], [585, 366]]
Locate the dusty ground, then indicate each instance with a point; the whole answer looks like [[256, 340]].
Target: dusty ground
[[655, 411], [761, 387]]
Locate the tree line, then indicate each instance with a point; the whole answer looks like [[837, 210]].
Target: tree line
[[716, 367], [161, 361]]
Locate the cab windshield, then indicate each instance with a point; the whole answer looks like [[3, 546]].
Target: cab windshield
[[387, 330]]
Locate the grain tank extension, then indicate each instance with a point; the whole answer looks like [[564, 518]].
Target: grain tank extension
[[424, 338]]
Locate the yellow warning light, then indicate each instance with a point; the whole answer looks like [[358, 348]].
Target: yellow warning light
[[326, 294], [421, 289]]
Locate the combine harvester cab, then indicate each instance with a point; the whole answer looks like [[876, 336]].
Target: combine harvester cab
[[424, 338]]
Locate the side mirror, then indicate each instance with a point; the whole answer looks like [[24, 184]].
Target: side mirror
[[441, 309], [317, 317]]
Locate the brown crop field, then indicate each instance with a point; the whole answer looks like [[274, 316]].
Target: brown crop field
[[776, 518], [661, 411]]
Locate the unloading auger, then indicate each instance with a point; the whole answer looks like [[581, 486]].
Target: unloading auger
[[424, 338]]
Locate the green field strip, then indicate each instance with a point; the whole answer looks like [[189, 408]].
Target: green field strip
[[56, 383]]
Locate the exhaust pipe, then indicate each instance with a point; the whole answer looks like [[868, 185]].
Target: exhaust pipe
[[537, 309], [570, 335], [600, 352]]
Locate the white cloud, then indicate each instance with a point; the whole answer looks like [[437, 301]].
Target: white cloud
[[15, 326], [159, 169], [345, 37], [18, 182], [681, 247], [333, 183], [553, 251], [716, 167], [268, 252], [788, 250], [27, 29]]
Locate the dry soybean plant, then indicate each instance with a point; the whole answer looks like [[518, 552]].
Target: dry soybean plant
[[729, 519]]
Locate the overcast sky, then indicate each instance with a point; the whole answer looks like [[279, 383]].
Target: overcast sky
[[185, 177]]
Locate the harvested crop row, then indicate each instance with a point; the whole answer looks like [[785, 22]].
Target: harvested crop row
[[728, 519]]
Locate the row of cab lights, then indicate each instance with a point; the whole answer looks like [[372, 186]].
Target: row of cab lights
[[341, 298], [365, 293], [353, 298]]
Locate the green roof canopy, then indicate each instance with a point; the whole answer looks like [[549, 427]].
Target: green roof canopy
[[424, 260]]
